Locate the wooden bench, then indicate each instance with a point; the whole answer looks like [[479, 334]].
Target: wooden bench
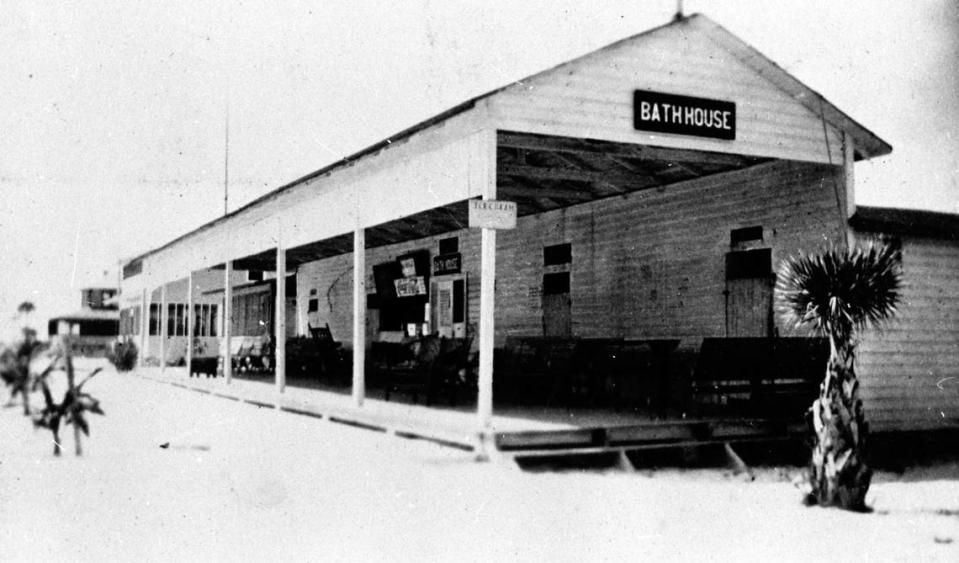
[[427, 366], [606, 370], [317, 355], [627, 372], [769, 377], [530, 367], [204, 365], [247, 354]]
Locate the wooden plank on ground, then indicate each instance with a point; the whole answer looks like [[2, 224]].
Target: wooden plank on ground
[[662, 432], [550, 439]]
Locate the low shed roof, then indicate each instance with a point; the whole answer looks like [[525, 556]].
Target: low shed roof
[[89, 315], [914, 222]]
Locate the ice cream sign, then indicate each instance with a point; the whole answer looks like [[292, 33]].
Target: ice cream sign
[[683, 115], [492, 214]]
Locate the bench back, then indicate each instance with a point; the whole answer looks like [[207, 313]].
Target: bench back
[[534, 354], [762, 359], [323, 336]]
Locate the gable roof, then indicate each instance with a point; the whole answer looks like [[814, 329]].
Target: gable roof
[[867, 144]]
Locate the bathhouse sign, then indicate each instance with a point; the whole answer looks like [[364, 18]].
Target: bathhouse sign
[[683, 115]]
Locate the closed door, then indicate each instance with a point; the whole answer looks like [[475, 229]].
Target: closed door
[[557, 318], [749, 307], [749, 294]]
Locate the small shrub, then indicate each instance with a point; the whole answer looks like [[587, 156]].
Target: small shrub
[[124, 354]]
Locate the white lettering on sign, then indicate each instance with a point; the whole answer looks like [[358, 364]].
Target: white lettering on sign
[[680, 115], [492, 214], [684, 115]]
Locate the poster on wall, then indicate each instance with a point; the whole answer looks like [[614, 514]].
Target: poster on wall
[[408, 266], [409, 287]]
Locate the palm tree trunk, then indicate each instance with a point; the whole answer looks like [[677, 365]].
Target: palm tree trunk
[[838, 474]]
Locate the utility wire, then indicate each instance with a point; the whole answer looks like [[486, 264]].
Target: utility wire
[[835, 185]]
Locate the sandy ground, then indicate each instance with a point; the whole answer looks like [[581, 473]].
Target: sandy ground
[[239, 482]]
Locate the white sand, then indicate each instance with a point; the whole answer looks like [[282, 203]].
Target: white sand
[[245, 483]]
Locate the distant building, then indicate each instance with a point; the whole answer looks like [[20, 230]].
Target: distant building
[[95, 326]]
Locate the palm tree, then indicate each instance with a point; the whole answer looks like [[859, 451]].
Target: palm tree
[[837, 293]]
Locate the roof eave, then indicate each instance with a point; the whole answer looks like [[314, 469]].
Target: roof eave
[[867, 144]]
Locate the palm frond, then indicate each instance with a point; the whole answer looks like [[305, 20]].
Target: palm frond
[[88, 378], [837, 292]]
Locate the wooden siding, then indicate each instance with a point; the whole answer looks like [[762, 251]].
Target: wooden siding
[[910, 370], [592, 97], [649, 264]]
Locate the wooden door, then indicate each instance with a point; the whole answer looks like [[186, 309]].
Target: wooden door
[[749, 294], [557, 318], [749, 307]]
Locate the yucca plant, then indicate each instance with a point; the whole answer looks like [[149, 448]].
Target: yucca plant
[[835, 294], [71, 409]]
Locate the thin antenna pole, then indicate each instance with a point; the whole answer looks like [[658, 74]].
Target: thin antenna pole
[[679, 10], [226, 164]]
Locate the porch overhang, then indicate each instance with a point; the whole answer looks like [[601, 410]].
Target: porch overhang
[[541, 173]]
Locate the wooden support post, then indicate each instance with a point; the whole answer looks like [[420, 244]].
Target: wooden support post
[[848, 162], [144, 324], [359, 316], [163, 319], [190, 328], [227, 321], [484, 403], [280, 348]]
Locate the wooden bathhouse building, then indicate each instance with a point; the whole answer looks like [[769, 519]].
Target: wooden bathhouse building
[[635, 199]]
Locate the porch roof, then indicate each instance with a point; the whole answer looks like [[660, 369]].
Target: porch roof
[[540, 173]]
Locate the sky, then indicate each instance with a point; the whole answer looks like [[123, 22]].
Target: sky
[[112, 113]]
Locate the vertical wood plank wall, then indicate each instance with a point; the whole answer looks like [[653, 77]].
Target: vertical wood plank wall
[[910, 370]]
